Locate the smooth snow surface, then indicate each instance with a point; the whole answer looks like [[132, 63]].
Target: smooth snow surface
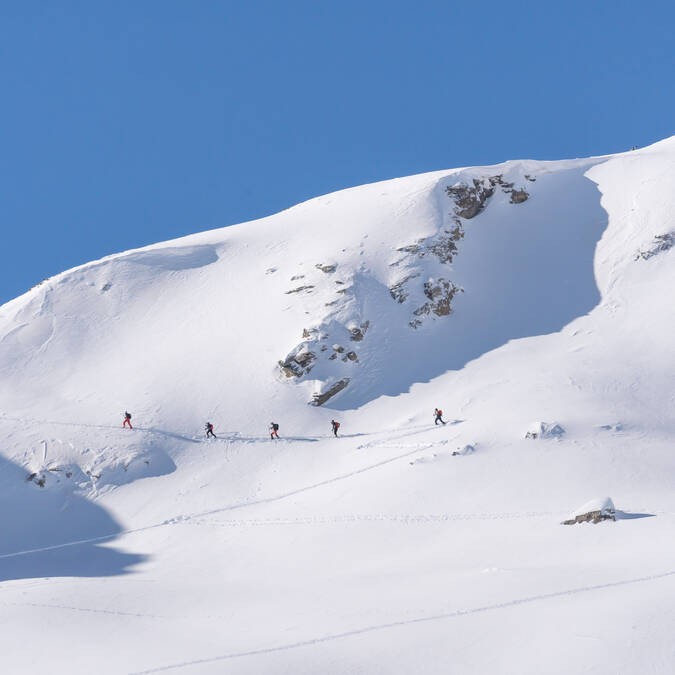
[[401, 546]]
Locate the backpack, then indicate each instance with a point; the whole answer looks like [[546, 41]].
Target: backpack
[[275, 426], [439, 413], [127, 416], [337, 425]]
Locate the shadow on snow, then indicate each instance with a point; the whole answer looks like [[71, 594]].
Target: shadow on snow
[[35, 518], [526, 270]]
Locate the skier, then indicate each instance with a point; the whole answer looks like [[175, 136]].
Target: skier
[[336, 426], [209, 430], [127, 420], [439, 416], [274, 428]]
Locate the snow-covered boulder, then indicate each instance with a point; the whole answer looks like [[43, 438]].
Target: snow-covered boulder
[[594, 511], [544, 430], [466, 450]]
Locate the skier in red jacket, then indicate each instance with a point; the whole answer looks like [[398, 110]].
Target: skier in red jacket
[[438, 414], [336, 426]]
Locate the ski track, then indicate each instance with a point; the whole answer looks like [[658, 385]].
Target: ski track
[[408, 622], [232, 507], [84, 609], [375, 518]]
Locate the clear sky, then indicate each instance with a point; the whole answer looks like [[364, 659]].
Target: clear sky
[[130, 122]]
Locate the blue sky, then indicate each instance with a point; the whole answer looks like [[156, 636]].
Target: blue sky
[[126, 123]]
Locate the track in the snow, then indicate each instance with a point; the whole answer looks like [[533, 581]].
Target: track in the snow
[[231, 507], [406, 622]]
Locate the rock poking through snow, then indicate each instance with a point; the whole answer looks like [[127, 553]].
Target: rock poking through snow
[[662, 242], [518, 196], [440, 294], [321, 397], [470, 199], [298, 362], [359, 332], [594, 512]]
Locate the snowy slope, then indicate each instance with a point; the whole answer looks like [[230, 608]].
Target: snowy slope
[[510, 296]]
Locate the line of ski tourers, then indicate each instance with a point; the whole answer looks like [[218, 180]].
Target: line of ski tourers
[[274, 426]]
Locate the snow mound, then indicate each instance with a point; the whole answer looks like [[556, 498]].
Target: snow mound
[[465, 450], [544, 430]]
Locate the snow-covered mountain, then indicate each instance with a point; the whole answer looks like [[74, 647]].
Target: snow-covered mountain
[[531, 301]]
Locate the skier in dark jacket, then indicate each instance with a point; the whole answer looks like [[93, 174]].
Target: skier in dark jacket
[[336, 426], [127, 420], [274, 429], [209, 430], [438, 414]]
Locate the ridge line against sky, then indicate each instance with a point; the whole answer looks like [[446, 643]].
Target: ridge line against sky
[[132, 123]]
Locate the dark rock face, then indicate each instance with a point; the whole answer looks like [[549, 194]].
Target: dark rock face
[[351, 356], [518, 196], [321, 398], [328, 269]]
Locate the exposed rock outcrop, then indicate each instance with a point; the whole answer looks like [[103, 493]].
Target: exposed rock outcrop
[[594, 512], [299, 362], [662, 242], [470, 199], [328, 269], [440, 294], [444, 247], [359, 332], [321, 397], [412, 248], [399, 291], [299, 289], [518, 196]]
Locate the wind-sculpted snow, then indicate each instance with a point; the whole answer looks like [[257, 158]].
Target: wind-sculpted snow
[[174, 258]]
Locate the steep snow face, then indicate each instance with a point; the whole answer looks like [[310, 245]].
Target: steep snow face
[[334, 302]]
